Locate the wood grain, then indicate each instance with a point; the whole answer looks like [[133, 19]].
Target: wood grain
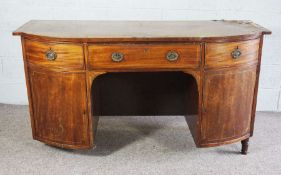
[[69, 56], [256, 86], [227, 104], [219, 54], [116, 31], [143, 56], [59, 107]]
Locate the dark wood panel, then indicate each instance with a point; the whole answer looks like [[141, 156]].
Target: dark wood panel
[[144, 56], [192, 108], [59, 108], [256, 87], [227, 104]]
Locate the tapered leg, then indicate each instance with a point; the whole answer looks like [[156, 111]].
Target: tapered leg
[[245, 145]]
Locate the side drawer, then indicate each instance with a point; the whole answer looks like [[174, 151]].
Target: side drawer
[[144, 56], [223, 54], [55, 55]]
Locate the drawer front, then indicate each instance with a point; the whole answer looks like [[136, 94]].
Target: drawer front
[[231, 54], [144, 56], [62, 56]]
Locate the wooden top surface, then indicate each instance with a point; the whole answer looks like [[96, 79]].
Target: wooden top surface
[[216, 30]]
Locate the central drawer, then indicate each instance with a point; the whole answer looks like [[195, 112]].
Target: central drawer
[[144, 56]]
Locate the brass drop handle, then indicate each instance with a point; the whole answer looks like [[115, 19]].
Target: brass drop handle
[[51, 55], [117, 56], [172, 56], [236, 53]]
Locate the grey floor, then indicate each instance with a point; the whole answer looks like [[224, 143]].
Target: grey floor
[[137, 145]]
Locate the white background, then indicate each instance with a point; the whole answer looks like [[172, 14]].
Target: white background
[[14, 13]]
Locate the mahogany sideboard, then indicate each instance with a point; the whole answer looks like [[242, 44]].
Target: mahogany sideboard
[[206, 70]]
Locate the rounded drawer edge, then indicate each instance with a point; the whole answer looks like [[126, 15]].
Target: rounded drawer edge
[[54, 55], [231, 53]]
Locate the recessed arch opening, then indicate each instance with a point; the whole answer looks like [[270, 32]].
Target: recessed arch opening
[[144, 94]]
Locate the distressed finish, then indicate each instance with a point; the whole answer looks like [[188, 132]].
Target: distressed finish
[[124, 31], [77, 71], [58, 109], [227, 104]]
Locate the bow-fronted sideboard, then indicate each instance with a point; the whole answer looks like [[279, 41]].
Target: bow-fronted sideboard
[[77, 71]]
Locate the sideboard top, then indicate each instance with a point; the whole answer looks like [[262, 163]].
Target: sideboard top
[[69, 30]]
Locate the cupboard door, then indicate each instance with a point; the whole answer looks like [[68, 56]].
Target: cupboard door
[[227, 104], [59, 108]]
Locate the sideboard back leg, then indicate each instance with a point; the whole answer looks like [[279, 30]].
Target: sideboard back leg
[[245, 145]]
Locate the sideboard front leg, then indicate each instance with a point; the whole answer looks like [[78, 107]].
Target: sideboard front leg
[[245, 145], [93, 120]]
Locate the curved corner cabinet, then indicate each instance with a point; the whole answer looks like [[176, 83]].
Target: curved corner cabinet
[[63, 58]]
